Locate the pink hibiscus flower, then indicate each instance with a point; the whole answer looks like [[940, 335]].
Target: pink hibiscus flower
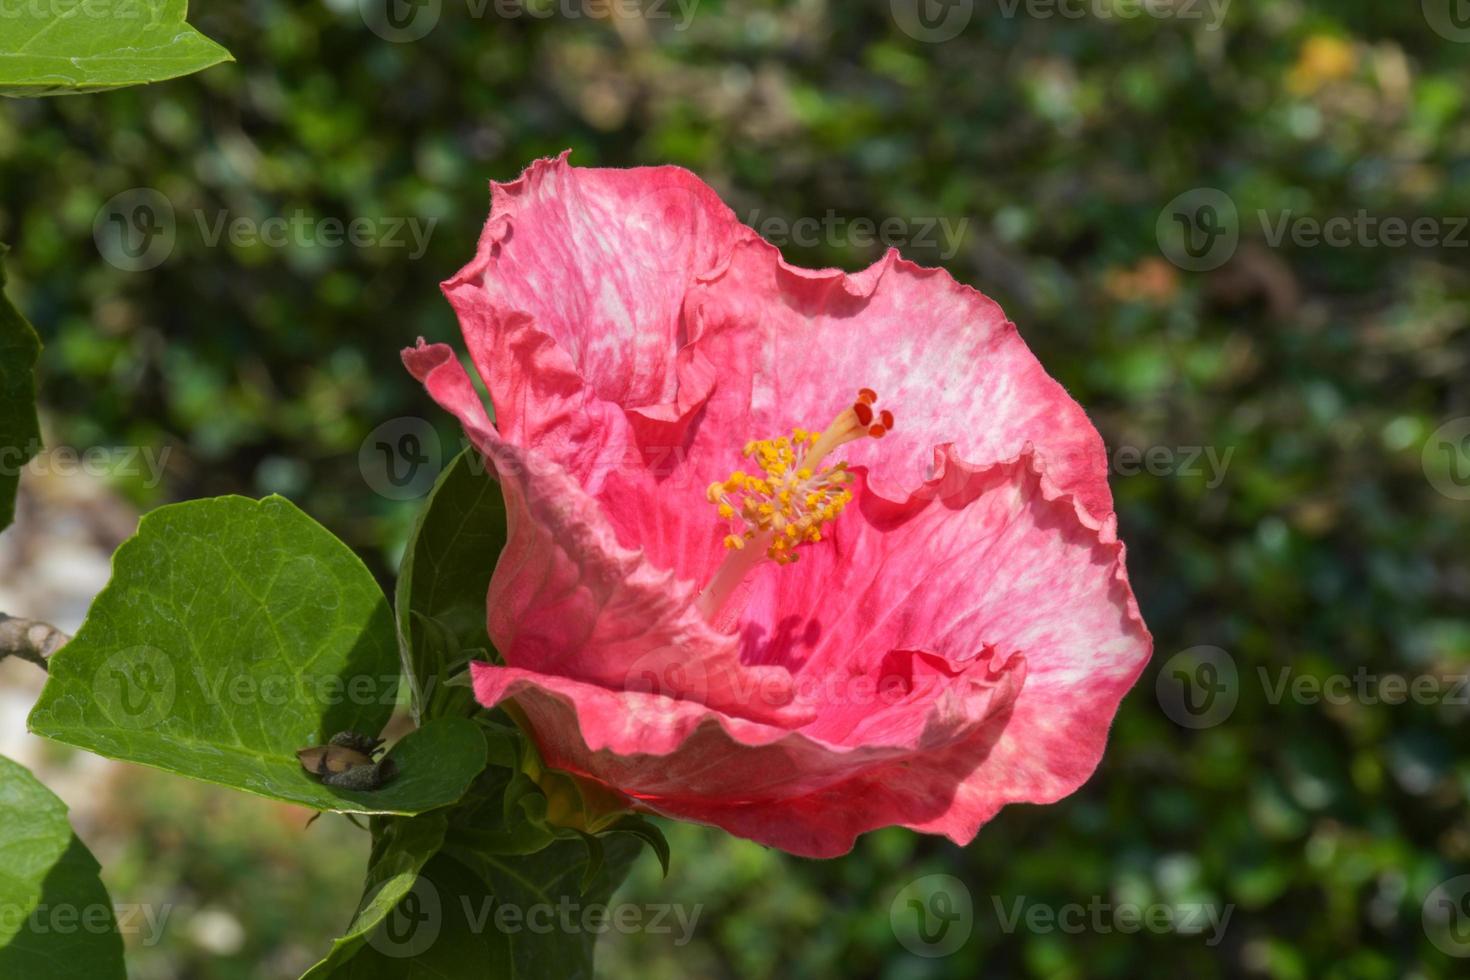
[[796, 553]]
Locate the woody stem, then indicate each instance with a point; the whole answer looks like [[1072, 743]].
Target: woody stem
[[29, 640]]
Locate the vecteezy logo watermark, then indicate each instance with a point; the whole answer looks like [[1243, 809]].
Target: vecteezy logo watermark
[[940, 234], [1198, 687], [1446, 916], [400, 459], [660, 679], [399, 21], [1103, 917], [670, 221], [413, 925], [135, 230], [417, 921], [1446, 459], [403, 21], [138, 230], [1199, 230], [135, 687], [933, 21], [1450, 19], [932, 916]]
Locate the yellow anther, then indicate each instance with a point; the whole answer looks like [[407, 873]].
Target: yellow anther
[[791, 497]]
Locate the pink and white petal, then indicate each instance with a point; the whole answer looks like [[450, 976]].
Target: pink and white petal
[[995, 558], [567, 598], [794, 346], [981, 558], [672, 754], [978, 557], [926, 792], [600, 259], [1036, 751]]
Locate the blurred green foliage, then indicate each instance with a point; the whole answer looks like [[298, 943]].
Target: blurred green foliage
[[1322, 371]]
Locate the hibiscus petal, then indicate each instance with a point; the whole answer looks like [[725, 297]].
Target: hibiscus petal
[[567, 598], [600, 260], [673, 755], [1016, 566], [794, 345], [634, 336]]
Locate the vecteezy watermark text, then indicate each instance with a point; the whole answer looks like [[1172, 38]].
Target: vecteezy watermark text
[[1201, 686], [1185, 461], [943, 235], [99, 462], [69, 919], [405, 21], [1200, 230], [65, 9], [1102, 916], [571, 918], [935, 21], [1365, 687], [416, 922], [137, 230]]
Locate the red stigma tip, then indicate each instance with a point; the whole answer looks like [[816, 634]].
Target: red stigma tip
[[863, 412], [886, 417], [877, 431], [867, 396]]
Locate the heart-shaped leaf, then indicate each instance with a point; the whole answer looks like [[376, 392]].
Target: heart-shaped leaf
[[234, 632], [443, 582], [59, 48], [20, 436], [56, 920]]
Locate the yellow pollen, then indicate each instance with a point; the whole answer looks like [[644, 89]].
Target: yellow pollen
[[795, 497]]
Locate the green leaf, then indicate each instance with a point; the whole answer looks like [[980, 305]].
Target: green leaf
[[494, 857], [401, 848], [20, 435], [56, 920], [234, 632], [498, 918], [443, 582], [640, 827], [442, 928], [59, 48]]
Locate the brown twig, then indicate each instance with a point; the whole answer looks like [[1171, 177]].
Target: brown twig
[[29, 640]]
